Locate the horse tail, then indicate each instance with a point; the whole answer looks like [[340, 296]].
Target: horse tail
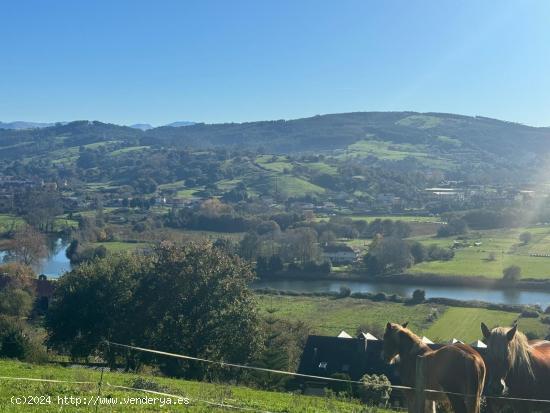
[[476, 382]]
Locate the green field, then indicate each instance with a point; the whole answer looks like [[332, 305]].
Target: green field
[[395, 152], [203, 397], [328, 316], [9, 222], [497, 250], [274, 163], [118, 246], [404, 218], [464, 324], [129, 149]]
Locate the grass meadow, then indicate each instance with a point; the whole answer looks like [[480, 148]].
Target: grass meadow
[[328, 316], [203, 397], [496, 250]]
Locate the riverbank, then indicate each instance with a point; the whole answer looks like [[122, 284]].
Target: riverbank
[[420, 279]]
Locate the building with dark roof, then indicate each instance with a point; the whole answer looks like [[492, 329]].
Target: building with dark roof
[[325, 356]]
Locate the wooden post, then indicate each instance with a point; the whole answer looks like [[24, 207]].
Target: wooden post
[[420, 385]]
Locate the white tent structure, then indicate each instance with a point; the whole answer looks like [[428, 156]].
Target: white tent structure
[[426, 340], [343, 334], [479, 344], [367, 336]]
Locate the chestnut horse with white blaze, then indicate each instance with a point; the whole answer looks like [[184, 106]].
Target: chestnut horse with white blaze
[[456, 368], [516, 368]]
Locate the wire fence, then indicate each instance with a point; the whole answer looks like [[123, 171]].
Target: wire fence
[[222, 404], [323, 378]]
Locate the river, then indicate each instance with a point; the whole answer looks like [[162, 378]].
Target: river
[[56, 263], [509, 296]]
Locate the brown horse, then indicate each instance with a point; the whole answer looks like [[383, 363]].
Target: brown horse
[[454, 368], [517, 368]]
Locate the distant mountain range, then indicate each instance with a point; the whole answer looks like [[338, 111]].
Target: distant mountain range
[[20, 125], [431, 138], [147, 126], [24, 125]]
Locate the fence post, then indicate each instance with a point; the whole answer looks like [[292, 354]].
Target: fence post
[[420, 385]]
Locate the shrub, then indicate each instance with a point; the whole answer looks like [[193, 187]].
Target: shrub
[[341, 387], [529, 314], [379, 297], [376, 390], [418, 296], [146, 384], [345, 291], [17, 342], [525, 237], [511, 274]]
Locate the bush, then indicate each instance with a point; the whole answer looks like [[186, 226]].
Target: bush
[[525, 237], [511, 274], [146, 384], [15, 302], [341, 387], [418, 296], [437, 253], [376, 390], [345, 291], [17, 342], [529, 314]]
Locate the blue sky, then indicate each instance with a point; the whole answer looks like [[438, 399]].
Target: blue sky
[[217, 61]]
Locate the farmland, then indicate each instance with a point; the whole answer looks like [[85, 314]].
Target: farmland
[[329, 316], [487, 253]]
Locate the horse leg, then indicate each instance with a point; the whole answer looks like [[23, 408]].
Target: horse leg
[[472, 404], [429, 406]]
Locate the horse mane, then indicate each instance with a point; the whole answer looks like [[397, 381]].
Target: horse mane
[[417, 344], [518, 352]]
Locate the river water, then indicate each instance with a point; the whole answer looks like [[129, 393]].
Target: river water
[[459, 293], [56, 263]]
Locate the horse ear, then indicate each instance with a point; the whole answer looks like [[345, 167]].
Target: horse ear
[[405, 324], [512, 332], [485, 330], [388, 326]]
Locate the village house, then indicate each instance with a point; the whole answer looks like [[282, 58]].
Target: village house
[[339, 254]]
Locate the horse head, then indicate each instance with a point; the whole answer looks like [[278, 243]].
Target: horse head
[[390, 348], [507, 350]]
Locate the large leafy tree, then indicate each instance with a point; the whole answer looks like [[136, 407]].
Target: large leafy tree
[[194, 299], [190, 299], [388, 255], [92, 304]]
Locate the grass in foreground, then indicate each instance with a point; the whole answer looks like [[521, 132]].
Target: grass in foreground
[[235, 395]]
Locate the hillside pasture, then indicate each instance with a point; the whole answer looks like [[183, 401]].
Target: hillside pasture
[[329, 316], [203, 397], [496, 250]]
